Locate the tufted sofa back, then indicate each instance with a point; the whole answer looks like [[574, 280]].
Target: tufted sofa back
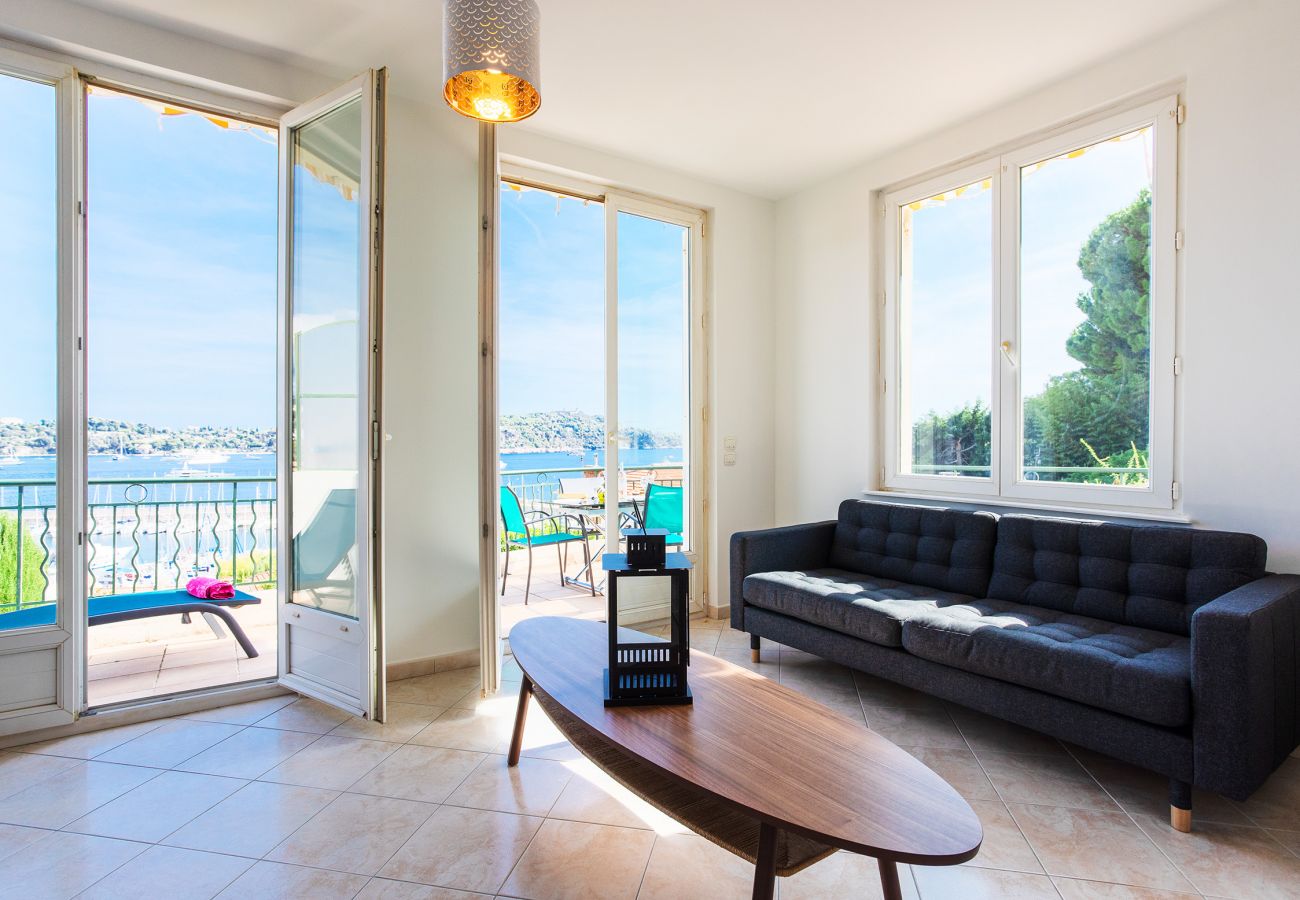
[[946, 549], [1146, 576]]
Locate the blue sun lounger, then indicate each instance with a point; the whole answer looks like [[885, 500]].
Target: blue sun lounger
[[144, 605]]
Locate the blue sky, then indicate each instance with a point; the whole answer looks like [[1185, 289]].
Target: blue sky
[[952, 334], [552, 311], [181, 262]]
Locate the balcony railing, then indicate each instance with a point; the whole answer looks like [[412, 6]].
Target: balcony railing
[[539, 488], [1035, 473], [144, 534]]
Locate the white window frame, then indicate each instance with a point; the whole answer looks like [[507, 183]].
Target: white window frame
[[1006, 481]]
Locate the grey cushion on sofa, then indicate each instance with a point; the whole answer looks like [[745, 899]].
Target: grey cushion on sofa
[[1149, 577], [947, 549], [851, 603], [1139, 672]]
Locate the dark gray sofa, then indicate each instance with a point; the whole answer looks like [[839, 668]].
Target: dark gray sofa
[[1170, 648]]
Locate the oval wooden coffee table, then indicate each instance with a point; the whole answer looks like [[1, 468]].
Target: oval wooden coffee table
[[753, 766]]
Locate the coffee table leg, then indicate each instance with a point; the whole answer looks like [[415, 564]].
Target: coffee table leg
[[521, 716], [889, 880], [765, 866]]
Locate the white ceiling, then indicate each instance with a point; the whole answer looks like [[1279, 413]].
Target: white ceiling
[[759, 95]]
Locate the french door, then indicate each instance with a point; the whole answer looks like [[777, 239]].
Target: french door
[[42, 597], [331, 265]]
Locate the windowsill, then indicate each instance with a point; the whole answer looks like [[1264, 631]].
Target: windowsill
[[1090, 512]]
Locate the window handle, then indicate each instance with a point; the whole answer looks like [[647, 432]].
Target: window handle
[[1006, 351]]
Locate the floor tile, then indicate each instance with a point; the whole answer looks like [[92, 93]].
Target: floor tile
[[988, 733], [592, 796], [768, 666], [278, 881], [916, 727], [1044, 780], [19, 771], [243, 713], [1074, 889], [355, 834], [1277, 803], [959, 768], [331, 762], [440, 689], [427, 774], [461, 729], [842, 875], [468, 849], [1288, 839], [90, 744], [249, 753], [680, 864], [304, 714], [170, 743], [14, 838], [172, 873], [1095, 846], [1004, 846], [966, 883], [577, 860], [405, 720], [529, 788], [253, 820], [880, 693], [387, 889], [1228, 860], [63, 864], [71, 794], [158, 807]]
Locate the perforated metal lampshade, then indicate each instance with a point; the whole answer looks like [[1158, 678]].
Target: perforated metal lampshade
[[492, 58]]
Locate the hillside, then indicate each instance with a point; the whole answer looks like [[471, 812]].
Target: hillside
[[570, 431]]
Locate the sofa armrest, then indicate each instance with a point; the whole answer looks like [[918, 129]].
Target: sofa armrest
[[776, 550], [1246, 684]]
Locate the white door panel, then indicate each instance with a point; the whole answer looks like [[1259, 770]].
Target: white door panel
[[331, 165]]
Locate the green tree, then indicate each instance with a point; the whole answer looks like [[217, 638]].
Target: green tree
[[33, 586], [960, 438], [1106, 403]]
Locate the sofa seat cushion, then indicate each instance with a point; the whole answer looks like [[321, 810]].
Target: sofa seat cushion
[[861, 606], [1134, 671]]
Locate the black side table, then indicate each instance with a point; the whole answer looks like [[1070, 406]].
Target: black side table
[[645, 672]]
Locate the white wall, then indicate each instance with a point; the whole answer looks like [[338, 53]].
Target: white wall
[[739, 236], [1238, 429]]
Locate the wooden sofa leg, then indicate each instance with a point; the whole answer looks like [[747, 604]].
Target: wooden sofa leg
[[753, 647], [1180, 805]]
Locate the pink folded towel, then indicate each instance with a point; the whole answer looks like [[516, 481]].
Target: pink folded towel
[[210, 589]]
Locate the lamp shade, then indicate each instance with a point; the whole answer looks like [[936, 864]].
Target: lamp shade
[[492, 58]]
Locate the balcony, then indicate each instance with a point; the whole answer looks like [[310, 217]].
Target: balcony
[[149, 534]]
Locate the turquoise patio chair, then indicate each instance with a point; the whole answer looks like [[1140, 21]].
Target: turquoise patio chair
[[663, 509], [526, 529]]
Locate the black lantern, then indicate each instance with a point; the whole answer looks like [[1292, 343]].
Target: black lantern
[[643, 671]]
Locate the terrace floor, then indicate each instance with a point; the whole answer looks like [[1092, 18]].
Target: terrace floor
[[162, 655], [288, 798]]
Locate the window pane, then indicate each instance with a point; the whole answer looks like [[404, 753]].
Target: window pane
[[654, 372], [1085, 370], [28, 405], [946, 332]]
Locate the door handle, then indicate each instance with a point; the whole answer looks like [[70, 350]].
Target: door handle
[[1006, 351]]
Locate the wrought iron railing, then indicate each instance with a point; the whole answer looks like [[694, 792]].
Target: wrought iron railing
[[142, 534], [539, 488]]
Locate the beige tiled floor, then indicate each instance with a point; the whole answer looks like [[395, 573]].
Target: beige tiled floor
[[287, 798]]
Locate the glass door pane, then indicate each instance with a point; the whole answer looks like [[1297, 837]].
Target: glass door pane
[[327, 312], [654, 374], [1085, 288], [331, 197], [28, 344]]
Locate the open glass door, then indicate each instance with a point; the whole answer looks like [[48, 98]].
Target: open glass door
[[331, 183], [42, 573]]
